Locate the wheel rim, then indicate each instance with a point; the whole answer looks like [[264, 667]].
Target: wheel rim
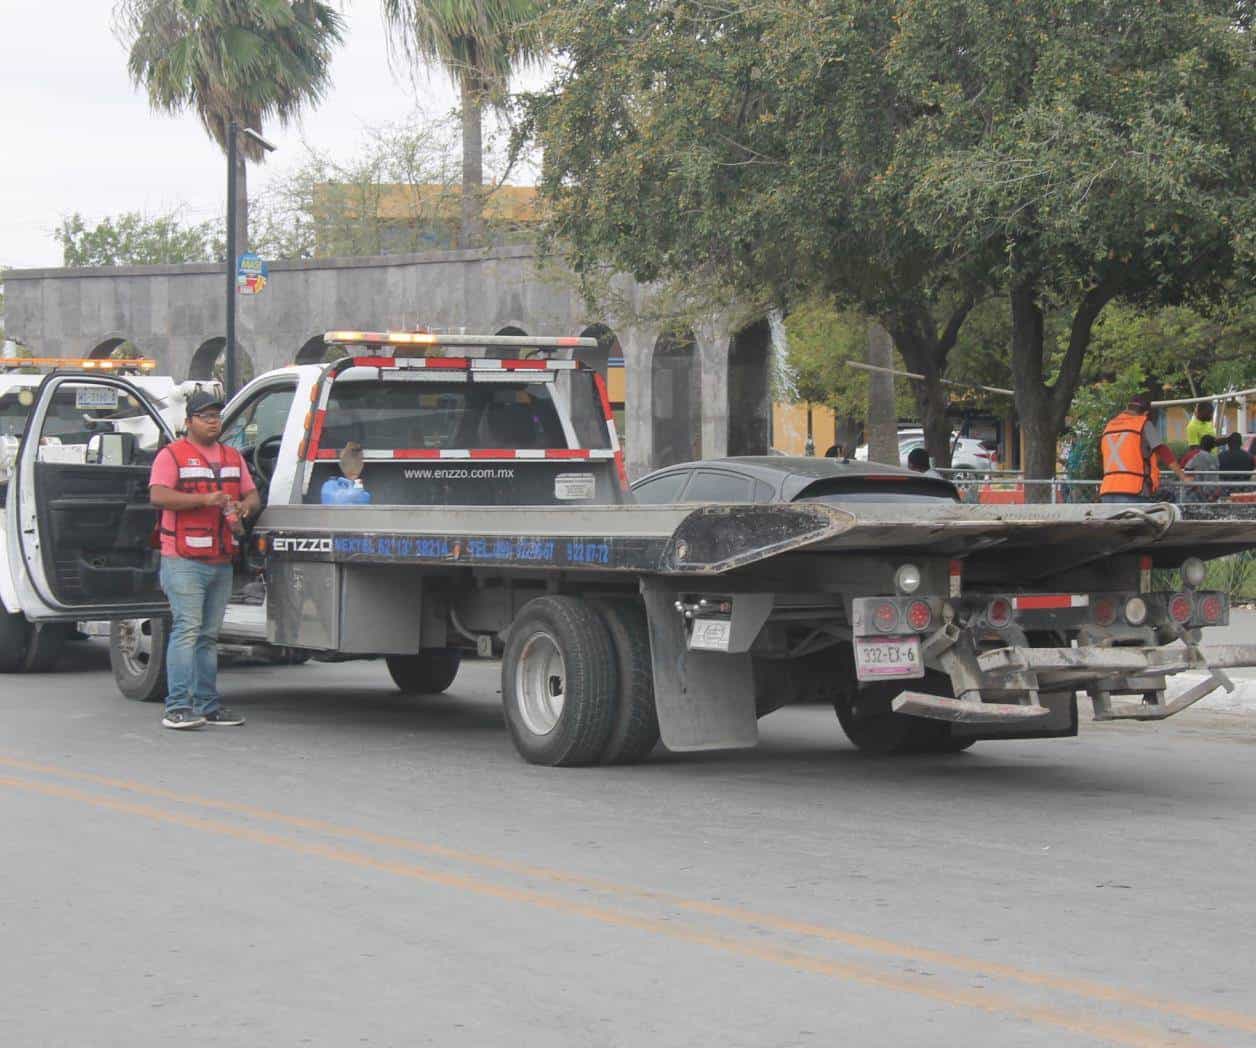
[[135, 645], [541, 683]]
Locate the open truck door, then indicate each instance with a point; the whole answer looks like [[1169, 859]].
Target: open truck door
[[80, 528]]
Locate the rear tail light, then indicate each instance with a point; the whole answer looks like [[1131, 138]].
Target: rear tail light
[[885, 617], [1180, 608], [1105, 611], [1211, 609], [999, 613], [919, 616]]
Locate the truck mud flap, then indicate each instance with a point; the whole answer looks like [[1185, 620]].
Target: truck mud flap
[[705, 700]]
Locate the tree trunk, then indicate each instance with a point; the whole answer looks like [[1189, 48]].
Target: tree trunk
[[1043, 409], [882, 418], [924, 351], [472, 228]]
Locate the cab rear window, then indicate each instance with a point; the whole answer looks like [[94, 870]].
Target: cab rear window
[[457, 415]]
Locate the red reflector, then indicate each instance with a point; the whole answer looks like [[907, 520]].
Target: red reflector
[[1211, 609], [1044, 601], [999, 613], [1105, 611], [1180, 608], [918, 615], [885, 618]]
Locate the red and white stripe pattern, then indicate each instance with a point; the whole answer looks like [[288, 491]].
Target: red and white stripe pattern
[[1050, 601], [314, 452], [618, 452], [465, 454]]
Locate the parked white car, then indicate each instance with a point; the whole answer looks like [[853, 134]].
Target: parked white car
[[966, 452]]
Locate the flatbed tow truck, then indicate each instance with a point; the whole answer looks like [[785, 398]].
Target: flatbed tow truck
[[500, 524]]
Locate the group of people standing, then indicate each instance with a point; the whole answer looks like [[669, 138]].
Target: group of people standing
[[1135, 454]]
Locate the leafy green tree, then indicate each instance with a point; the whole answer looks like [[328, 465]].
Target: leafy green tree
[[910, 159], [746, 144], [1091, 152], [479, 43], [246, 61], [134, 239]]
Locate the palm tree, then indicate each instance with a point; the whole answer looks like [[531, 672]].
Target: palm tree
[[231, 60], [479, 43]]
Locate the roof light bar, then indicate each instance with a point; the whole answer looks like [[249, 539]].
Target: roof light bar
[[423, 338], [87, 363]]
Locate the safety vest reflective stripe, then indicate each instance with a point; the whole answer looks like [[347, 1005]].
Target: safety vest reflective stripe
[[199, 541], [197, 473], [1126, 471], [229, 472]]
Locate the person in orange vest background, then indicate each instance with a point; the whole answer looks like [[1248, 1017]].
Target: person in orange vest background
[[1133, 454], [205, 493]]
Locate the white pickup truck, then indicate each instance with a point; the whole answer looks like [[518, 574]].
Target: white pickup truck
[[494, 518], [71, 434]]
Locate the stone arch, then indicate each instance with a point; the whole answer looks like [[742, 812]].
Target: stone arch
[[104, 349], [314, 351], [608, 348], [208, 362], [676, 373], [749, 389]]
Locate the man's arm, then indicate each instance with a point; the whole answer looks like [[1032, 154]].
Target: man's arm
[[167, 498]]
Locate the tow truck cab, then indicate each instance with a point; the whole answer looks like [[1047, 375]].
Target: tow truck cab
[[76, 524]]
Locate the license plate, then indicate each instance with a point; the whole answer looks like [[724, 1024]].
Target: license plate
[[95, 397], [879, 657], [710, 635]]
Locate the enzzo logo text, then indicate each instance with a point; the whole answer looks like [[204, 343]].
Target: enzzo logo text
[[285, 544]]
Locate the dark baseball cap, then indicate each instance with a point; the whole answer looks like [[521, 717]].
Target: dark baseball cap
[[1140, 402], [203, 400]]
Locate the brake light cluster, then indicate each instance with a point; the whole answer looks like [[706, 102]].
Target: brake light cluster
[[888, 616]]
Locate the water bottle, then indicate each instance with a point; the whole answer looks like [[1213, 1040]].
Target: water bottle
[[341, 491]]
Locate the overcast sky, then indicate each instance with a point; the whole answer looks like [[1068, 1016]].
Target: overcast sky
[[75, 135]]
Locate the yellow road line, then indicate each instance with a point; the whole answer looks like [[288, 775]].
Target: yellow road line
[[930, 989], [884, 947]]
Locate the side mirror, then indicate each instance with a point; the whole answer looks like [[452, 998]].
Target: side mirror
[[107, 449]]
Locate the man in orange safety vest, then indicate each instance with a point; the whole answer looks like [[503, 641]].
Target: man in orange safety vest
[[1133, 453]]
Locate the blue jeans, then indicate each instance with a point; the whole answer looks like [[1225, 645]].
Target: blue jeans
[[198, 595]]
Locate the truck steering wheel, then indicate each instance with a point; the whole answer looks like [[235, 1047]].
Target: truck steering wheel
[[265, 452]]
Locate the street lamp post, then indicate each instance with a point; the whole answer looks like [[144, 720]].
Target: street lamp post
[[233, 146]]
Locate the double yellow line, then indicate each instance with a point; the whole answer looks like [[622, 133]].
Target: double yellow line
[[928, 987]]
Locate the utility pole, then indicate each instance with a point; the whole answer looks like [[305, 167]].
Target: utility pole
[[233, 130]]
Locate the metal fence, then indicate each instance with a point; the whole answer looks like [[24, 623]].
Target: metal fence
[[1009, 486]]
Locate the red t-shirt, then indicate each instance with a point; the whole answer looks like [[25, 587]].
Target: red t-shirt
[[165, 472]]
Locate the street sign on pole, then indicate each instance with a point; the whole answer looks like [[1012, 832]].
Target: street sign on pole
[[251, 274]]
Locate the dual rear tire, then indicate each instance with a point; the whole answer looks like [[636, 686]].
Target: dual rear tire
[[875, 729], [577, 683]]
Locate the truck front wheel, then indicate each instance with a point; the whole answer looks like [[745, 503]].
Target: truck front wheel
[[427, 673], [15, 636], [558, 682], [137, 656]]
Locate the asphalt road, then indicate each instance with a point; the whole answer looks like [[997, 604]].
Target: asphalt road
[[358, 868]]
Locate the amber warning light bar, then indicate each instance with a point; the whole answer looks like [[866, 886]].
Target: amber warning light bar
[[86, 363], [424, 338]]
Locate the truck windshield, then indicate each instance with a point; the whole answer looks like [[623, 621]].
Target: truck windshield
[[69, 421], [456, 415]]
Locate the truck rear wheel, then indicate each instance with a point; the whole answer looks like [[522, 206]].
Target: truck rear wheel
[[427, 673], [634, 719], [868, 721], [137, 656], [15, 635], [558, 682]]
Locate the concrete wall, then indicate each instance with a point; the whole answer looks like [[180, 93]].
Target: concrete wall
[[172, 312]]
